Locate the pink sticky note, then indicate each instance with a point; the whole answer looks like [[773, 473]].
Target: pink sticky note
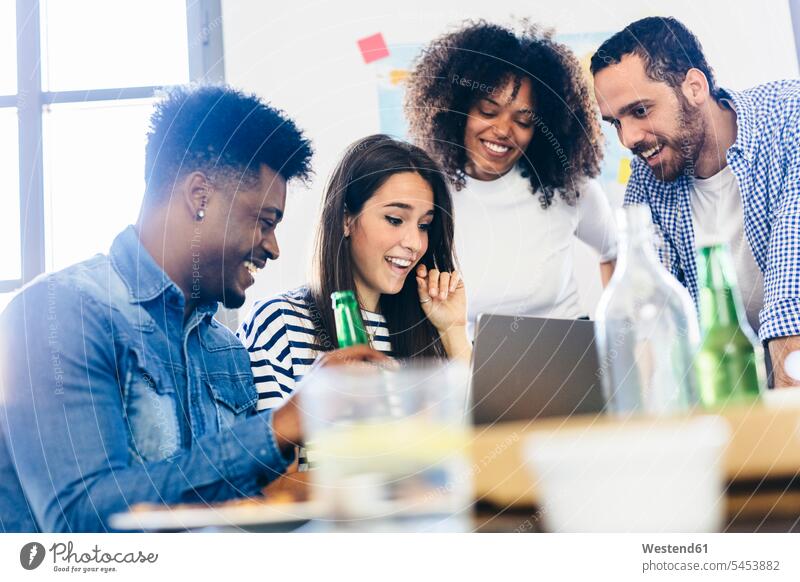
[[373, 48]]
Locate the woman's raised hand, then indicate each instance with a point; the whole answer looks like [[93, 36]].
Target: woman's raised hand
[[442, 297]]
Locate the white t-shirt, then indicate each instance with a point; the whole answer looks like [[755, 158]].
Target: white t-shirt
[[718, 216], [517, 257]]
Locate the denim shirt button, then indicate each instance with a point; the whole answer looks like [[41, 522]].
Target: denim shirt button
[[263, 452]]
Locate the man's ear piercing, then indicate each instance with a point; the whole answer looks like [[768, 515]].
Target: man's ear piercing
[[201, 213]]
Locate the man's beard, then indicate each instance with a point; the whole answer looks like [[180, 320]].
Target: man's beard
[[685, 146]]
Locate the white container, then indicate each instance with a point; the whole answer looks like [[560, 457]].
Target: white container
[[632, 477]]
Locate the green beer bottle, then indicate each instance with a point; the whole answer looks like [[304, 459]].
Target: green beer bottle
[[350, 330], [730, 363]]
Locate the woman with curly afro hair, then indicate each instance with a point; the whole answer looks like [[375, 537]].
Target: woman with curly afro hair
[[509, 118]]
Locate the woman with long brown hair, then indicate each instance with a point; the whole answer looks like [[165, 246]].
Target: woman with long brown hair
[[386, 233]]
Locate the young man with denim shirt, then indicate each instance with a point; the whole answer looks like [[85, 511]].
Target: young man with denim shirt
[[713, 165], [118, 385]]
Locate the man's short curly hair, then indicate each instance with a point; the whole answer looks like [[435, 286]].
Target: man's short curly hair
[[667, 48], [566, 143], [223, 132]]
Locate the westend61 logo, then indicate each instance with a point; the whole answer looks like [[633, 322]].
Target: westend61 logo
[[66, 559]]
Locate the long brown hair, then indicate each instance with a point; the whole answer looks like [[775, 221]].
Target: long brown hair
[[366, 166]]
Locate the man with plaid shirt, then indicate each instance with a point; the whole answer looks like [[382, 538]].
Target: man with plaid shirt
[[714, 166]]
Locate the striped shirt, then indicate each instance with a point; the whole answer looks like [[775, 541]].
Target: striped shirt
[[283, 343]]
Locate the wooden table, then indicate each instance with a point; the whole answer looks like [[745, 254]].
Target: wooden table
[[762, 466], [761, 463]]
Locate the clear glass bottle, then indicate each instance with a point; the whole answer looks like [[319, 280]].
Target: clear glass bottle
[[645, 328]]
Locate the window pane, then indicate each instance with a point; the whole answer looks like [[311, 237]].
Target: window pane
[[10, 258], [94, 175], [8, 47], [5, 299], [95, 44]]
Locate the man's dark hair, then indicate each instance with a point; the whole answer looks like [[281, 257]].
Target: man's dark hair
[[666, 46], [224, 133]]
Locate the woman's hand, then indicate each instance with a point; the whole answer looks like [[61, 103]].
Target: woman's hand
[[442, 298], [353, 355], [444, 303]]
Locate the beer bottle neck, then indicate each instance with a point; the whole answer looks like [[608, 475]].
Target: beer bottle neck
[[350, 328], [718, 292]]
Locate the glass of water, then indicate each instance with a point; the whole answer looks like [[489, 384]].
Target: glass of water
[[388, 447]]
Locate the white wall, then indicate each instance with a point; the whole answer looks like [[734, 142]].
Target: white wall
[[302, 56]]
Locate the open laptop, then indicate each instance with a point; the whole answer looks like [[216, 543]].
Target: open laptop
[[529, 367]]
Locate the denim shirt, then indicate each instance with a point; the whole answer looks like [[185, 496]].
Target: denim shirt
[[108, 398]]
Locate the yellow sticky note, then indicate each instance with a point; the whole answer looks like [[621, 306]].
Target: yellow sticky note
[[397, 76], [624, 172]]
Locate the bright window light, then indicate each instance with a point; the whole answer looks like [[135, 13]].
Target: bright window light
[[8, 48], [93, 175], [97, 44], [10, 257], [5, 299]]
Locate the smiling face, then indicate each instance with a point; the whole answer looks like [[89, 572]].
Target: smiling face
[[238, 237], [499, 129], [653, 120], [390, 235]]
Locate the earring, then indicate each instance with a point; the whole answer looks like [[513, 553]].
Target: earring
[[201, 213]]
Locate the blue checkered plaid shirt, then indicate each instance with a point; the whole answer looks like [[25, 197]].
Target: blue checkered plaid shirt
[[765, 158]]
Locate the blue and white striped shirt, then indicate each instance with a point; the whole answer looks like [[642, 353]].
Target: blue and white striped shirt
[[765, 158], [283, 343]]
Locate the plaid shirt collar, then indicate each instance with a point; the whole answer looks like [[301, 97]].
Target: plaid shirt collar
[[746, 140]]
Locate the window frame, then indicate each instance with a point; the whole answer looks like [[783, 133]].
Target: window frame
[[206, 64]]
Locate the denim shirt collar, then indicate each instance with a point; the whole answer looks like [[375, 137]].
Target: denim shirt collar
[[143, 277]]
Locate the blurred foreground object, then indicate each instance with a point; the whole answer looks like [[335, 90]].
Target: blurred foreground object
[[388, 448], [657, 477], [645, 327]]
